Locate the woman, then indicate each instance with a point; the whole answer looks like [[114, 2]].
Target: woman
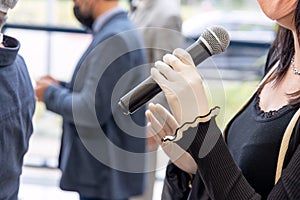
[[260, 156]]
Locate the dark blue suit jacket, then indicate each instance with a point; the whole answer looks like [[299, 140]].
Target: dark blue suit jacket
[[103, 151], [17, 105]]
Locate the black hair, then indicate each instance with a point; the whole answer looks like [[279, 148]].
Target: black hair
[[283, 50]]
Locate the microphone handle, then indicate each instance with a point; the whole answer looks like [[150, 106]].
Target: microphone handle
[[147, 89], [140, 95]]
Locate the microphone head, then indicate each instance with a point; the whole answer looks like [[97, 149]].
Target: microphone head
[[216, 39]]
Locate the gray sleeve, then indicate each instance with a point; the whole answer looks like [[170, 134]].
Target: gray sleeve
[[79, 105], [169, 37]]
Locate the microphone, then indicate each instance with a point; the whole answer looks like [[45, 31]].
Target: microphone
[[214, 40]]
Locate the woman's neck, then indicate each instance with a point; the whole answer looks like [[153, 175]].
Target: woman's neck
[[297, 49]]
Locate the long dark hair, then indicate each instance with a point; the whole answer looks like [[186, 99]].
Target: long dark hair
[[283, 50]]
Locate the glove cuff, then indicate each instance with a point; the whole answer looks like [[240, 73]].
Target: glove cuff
[[199, 119]]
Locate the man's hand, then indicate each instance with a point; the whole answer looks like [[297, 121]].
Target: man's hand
[[42, 84]]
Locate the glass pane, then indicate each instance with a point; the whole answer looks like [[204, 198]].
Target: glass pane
[[44, 12]]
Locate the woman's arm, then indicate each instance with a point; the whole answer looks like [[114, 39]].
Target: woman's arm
[[164, 127], [221, 176], [204, 142]]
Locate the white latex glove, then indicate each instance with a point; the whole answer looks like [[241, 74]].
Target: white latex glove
[[182, 86], [160, 124]]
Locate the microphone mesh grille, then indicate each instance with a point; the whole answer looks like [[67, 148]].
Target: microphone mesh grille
[[217, 38]]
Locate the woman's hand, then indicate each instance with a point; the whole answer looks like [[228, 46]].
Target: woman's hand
[[160, 124], [182, 85]]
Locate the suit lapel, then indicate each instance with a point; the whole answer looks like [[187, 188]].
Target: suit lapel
[[97, 38]]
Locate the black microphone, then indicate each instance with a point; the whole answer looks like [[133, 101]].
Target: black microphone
[[214, 40]]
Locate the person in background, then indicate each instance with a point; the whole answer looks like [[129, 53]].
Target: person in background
[[161, 31], [102, 150], [160, 27], [16, 109], [258, 156], [131, 6]]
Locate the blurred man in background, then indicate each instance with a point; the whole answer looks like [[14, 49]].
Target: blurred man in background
[[159, 22], [102, 150], [17, 105]]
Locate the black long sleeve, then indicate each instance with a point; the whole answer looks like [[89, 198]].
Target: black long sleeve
[[222, 177]]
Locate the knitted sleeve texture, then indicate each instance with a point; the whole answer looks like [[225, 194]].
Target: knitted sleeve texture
[[222, 177]]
